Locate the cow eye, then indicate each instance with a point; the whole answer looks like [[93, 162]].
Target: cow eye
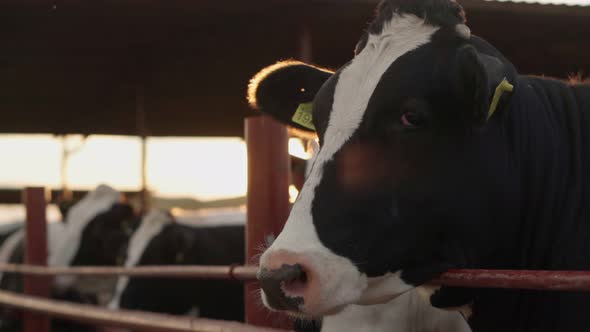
[[415, 113], [412, 119]]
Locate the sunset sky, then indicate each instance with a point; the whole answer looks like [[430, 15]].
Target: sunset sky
[[202, 168]]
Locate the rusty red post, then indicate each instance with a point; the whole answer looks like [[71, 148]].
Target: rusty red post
[[267, 202], [36, 254]]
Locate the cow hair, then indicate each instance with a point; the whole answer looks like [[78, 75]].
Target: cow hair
[[577, 78], [441, 13]]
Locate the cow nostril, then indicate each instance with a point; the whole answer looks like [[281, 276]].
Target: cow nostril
[[284, 287], [295, 278]]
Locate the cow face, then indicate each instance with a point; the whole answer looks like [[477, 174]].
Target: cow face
[[403, 171], [104, 239], [170, 247], [157, 241], [95, 232]]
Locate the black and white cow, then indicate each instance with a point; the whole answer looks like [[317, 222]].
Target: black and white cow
[[413, 179], [96, 232], [160, 240]]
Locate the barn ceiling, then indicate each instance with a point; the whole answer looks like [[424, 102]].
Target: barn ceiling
[[73, 66]]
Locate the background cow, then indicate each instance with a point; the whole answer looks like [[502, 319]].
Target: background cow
[[426, 165], [96, 232], [160, 240]]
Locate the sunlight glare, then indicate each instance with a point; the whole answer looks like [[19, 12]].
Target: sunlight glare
[[112, 160], [203, 168], [293, 193], [297, 149], [32, 160]]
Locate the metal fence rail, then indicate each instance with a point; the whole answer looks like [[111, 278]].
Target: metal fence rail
[[122, 318], [516, 279], [235, 272]]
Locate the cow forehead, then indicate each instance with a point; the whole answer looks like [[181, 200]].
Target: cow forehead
[[358, 80], [354, 88]]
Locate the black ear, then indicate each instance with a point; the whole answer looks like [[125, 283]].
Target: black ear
[[278, 90], [477, 76]]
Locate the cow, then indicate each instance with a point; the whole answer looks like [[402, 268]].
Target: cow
[[95, 232], [435, 154], [161, 240]]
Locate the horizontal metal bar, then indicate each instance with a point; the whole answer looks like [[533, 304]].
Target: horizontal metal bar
[[244, 273], [517, 279], [122, 318]]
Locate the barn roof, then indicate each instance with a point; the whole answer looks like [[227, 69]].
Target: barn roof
[[72, 66]]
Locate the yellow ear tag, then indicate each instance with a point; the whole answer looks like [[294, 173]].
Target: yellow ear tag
[[303, 116], [504, 86]]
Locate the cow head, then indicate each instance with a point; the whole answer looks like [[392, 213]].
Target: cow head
[[157, 241], [160, 241], [96, 232], [409, 172], [104, 239]]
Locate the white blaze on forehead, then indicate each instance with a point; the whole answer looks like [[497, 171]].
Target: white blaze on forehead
[[355, 86], [79, 215], [151, 225]]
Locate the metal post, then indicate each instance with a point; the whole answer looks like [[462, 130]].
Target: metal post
[[145, 196], [66, 194], [36, 254], [142, 130], [267, 202]]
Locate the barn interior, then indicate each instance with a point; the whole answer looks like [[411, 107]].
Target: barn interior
[[179, 68]]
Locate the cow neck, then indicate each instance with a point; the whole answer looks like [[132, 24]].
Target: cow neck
[[550, 146]]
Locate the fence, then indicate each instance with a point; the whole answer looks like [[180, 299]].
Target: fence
[[121, 318]]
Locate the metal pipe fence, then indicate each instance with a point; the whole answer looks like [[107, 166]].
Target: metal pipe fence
[[121, 318], [513, 279]]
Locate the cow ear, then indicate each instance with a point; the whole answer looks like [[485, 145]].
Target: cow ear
[[478, 75], [280, 89]]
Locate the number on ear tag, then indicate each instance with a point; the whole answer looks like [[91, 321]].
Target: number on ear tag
[[303, 116]]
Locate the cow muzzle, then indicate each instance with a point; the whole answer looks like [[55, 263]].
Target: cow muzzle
[[308, 284], [282, 285]]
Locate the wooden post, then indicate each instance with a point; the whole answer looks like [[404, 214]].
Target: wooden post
[[36, 254], [267, 203]]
